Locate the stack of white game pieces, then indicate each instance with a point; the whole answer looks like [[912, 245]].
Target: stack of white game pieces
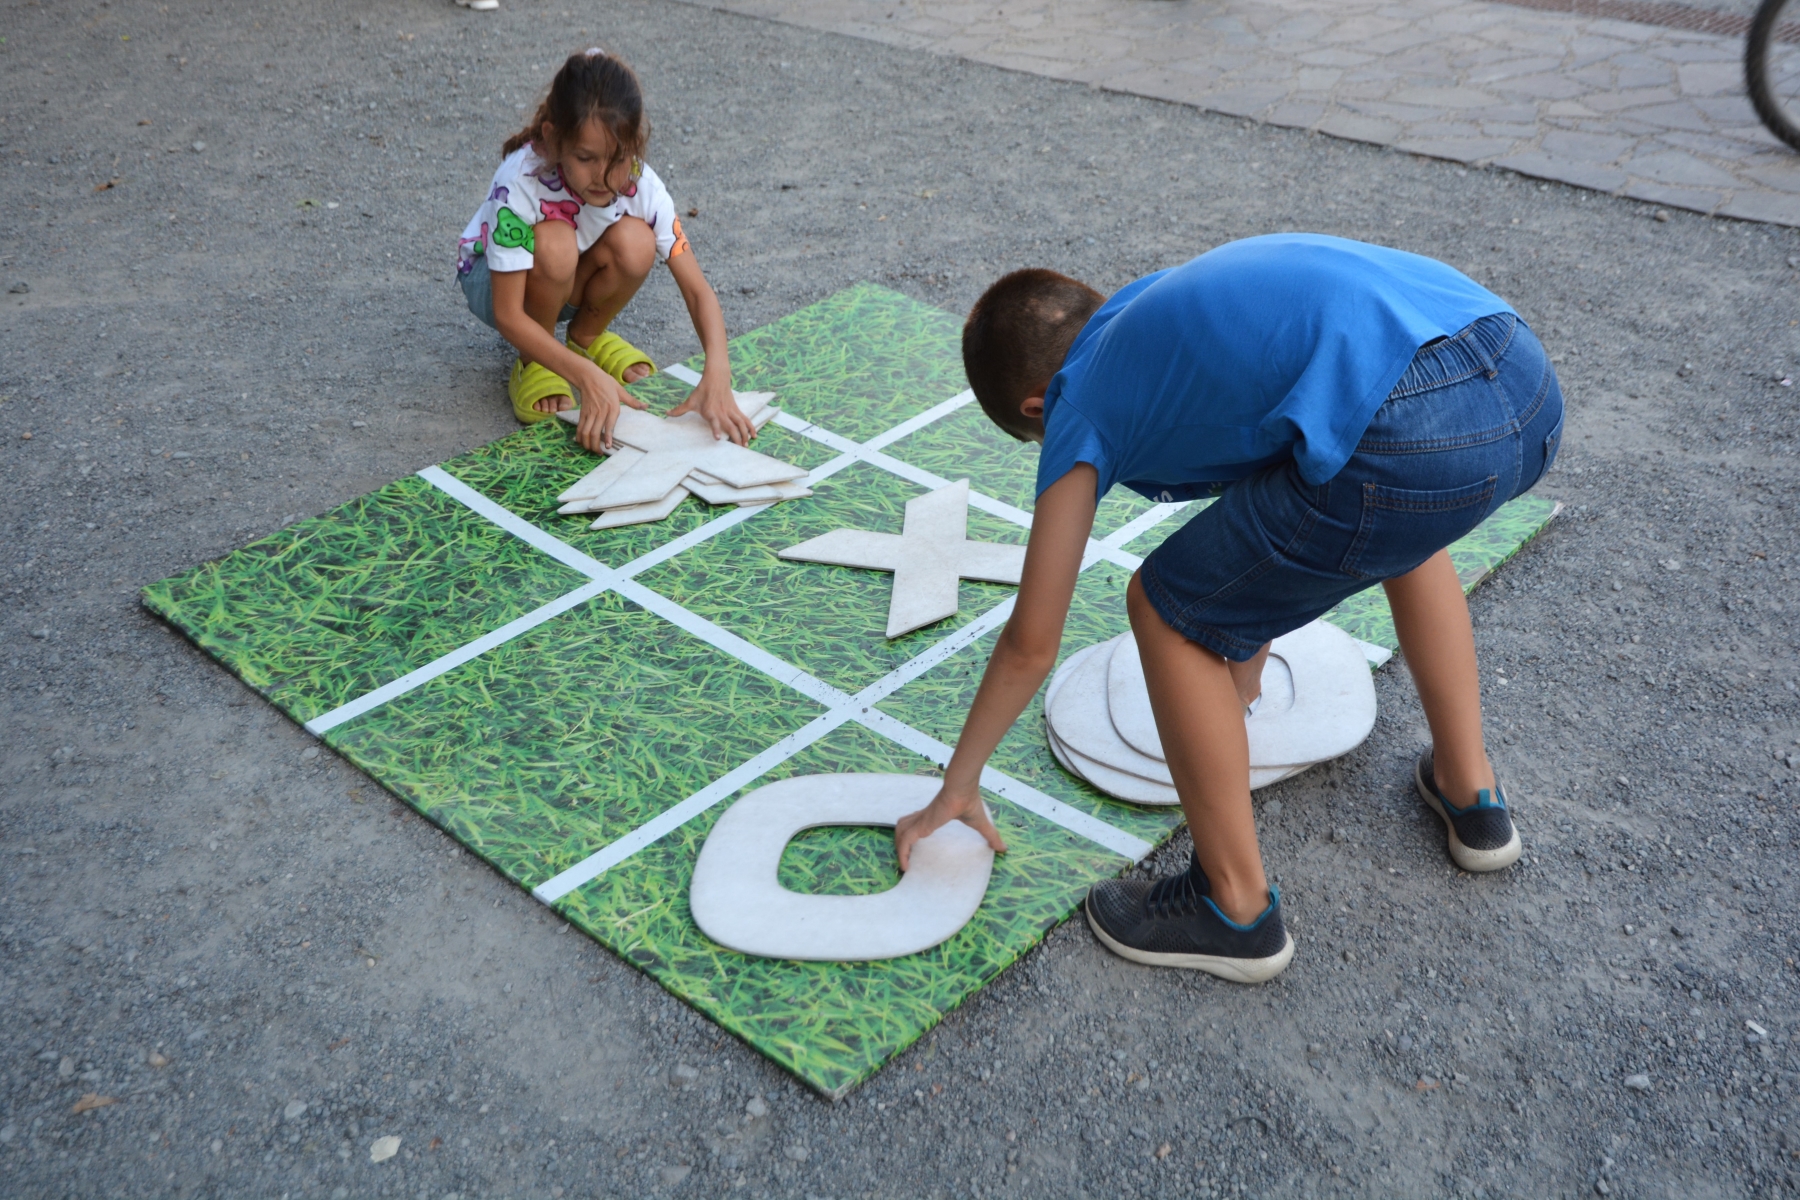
[[1317, 703], [657, 462]]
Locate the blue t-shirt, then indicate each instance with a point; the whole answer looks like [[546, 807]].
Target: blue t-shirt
[[1261, 349]]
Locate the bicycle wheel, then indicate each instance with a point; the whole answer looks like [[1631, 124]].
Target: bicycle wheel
[[1772, 67]]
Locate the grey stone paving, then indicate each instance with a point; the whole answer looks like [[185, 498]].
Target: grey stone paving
[[1647, 112]]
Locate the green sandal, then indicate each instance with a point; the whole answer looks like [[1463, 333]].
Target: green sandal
[[531, 382], [614, 355]]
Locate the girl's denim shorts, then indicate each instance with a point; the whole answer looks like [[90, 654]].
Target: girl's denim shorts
[[1475, 421], [478, 289]]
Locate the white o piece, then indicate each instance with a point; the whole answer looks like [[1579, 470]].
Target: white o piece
[[1078, 714], [1085, 738], [1318, 699], [737, 899], [1120, 785]]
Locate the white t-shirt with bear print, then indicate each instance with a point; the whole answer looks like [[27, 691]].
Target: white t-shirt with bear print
[[526, 191]]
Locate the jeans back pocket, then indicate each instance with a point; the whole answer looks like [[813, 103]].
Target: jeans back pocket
[[1401, 528], [1551, 445]]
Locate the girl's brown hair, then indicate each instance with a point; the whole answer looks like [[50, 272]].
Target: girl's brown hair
[[591, 86]]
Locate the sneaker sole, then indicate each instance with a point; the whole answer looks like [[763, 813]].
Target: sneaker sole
[[1237, 970], [1463, 856]]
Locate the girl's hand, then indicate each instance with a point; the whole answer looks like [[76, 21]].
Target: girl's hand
[[713, 400], [952, 803], [601, 396]]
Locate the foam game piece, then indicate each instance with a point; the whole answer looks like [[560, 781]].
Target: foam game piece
[[672, 448], [928, 558], [737, 900], [596, 481], [639, 514], [1080, 717], [1318, 699], [1083, 737], [723, 493]]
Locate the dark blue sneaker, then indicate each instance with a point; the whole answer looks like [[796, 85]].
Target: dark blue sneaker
[[1482, 837], [1174, 923]]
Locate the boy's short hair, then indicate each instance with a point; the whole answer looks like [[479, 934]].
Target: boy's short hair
[[1016, 338]]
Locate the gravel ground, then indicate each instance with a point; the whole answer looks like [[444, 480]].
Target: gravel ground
[[270, 964]]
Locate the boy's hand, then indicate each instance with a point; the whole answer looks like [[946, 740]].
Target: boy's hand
[[601, 396], [713, 400], [950, 804]]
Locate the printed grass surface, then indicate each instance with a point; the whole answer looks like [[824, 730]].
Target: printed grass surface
[[550, 747], [827, 620], [966, 443], [333, 607], [835, 1024], [541, 752], [858, 363]]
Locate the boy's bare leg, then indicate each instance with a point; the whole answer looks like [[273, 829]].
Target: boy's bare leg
[[1200, 718], [610, 274], [1431, 617], [1247, 675]]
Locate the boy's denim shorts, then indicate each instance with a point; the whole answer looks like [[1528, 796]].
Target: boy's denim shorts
[[478, 290], [1475, 421]]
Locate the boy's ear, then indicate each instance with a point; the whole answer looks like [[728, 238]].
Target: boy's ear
[[1032, 407]]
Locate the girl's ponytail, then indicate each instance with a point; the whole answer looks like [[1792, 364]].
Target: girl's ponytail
[[592, 85], [530, 133]]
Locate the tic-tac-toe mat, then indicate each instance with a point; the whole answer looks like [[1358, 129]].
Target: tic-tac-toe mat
[[578, 707]]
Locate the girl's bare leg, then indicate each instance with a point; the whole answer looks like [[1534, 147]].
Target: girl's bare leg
[[549, 283], [610, 274], [1200, 716], [1431, 617]]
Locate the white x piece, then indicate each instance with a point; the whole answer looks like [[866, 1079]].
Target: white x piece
[[671, 448], [928, 559]]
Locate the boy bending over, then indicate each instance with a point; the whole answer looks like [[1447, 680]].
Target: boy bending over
[[1356, 409]]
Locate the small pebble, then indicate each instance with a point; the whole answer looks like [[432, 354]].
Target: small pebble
[[19, 289], [757, 1107], [310, 753], [294, 1110], [797, 1153], [1638, 1083], [199, 146]]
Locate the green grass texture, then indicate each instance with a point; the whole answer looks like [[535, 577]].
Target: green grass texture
[[554, 745], [335, 606], [858, 363], [543, 751], [834, 1024]]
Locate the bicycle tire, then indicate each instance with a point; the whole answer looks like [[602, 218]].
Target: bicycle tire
[[1781, 121]]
